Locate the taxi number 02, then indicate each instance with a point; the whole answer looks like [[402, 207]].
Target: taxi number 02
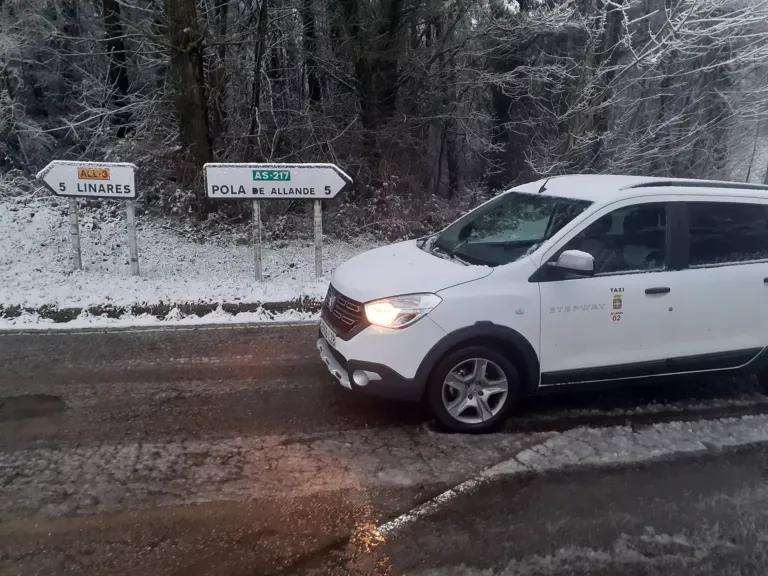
[[327, 333]]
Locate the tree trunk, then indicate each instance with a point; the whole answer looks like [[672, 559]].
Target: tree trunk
[[439, 176], [376, 54], [279, 88], [386, 61], [609, 47], [358, 39], [452, 159], [754, 151], [310, 48], [660, 163], [188, 76], [501, 103], [503, 167], [218, 74], [716, 112], [258, 63], [449, 125], [159, 29], [118, 72]]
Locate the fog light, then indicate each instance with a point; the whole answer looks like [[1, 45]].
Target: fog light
[[360, 377], [364, 377]]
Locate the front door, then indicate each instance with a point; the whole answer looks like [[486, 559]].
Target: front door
[[617, 323]]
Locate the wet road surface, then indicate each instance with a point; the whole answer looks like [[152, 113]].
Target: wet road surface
[[231, 451], [696, 516]]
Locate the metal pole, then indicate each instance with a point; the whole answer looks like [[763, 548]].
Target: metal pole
[[74, 234], [257, 239], [318, 239], [133, 248]]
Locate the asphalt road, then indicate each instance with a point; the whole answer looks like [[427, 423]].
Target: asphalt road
[[231, 451]]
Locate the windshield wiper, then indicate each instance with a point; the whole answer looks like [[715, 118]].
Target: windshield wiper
[[452, 252], [437, 250]]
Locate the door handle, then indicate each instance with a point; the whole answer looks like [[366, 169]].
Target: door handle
[[658, 290]]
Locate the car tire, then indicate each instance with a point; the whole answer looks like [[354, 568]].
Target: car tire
[[762, 379], [477, 373]]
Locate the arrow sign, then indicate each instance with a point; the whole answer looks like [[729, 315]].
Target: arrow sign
[[90, 179], [274, 181]]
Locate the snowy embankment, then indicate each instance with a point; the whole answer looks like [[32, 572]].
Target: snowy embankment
[[181, 280]]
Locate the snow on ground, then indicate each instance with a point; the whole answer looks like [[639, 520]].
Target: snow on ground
[[36, 265], [695, 551], [624, 444], [729, 398]]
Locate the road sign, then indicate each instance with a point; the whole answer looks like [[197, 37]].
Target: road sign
[[109, 180], [277, 182], [90, 179], [274, 181]]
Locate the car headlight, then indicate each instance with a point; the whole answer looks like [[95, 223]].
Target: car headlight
[[400, 311]]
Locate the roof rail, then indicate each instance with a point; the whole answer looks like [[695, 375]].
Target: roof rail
[[697, 184]]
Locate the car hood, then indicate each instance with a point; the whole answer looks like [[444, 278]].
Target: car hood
[[401, 268]]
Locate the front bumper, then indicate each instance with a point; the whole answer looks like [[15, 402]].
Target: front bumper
[[369, 377], [334, 366]]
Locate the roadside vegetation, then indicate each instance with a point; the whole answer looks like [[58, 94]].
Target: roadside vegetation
[[431, 106]]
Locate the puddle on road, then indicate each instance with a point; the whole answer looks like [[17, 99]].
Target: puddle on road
[[15, 408]]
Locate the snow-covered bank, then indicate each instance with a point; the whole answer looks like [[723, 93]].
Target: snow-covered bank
[[36, 268], [35, 321]]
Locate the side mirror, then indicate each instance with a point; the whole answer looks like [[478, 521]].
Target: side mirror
[[576, 262]]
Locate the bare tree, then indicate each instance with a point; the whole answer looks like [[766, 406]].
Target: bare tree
[[187, 41], [118, 70], [444, 94]]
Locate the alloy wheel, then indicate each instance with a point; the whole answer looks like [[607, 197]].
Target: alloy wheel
[[475, 390]]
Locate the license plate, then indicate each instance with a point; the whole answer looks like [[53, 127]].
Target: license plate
[[327, 333]]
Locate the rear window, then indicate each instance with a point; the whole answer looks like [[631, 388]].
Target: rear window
[[727, 232]]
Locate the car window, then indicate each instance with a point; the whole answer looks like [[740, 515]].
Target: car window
[[629, 239], [727, 232]]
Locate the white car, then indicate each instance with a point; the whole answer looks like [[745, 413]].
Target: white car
[[570, 280]]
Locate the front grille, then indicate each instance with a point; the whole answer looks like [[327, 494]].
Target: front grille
[[343, 314]]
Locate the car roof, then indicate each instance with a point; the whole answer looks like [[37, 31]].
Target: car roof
[[602, 188]]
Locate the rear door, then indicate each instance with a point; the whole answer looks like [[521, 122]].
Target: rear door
[[616, 323], [723, 318]]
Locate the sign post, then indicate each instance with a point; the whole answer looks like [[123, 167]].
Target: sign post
[[277, 182], [108, 180], [133, 249], [74, 234], [257, 239], [318, 239]]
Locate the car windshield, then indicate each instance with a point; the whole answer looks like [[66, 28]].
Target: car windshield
[[507, 228]]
